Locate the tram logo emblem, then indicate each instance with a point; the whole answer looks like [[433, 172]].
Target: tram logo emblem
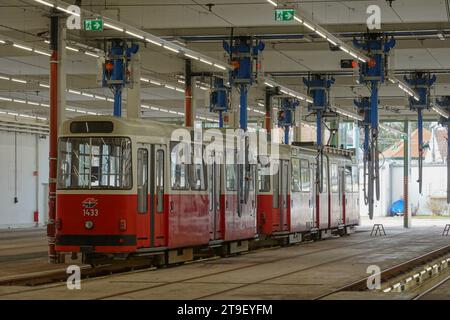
[[89, 203]]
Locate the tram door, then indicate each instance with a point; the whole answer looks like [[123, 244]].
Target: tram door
[[284, 193], [214, 193], [150, 194]]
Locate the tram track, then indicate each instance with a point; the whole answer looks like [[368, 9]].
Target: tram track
[[394, 271], [90, 273], [424, 293]]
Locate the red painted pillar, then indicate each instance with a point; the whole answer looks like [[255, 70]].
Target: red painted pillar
[[53, 144], [188, 94]]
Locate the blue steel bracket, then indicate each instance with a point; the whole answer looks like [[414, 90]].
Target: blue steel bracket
[[286, 117], [286, 113], [376, 46], [318, 88], [218, 101], [244, 55], [420, 82], [117, 73]]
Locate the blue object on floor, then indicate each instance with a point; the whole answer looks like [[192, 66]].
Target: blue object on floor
[[398, 208]]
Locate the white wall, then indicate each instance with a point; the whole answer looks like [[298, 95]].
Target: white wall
[[21, 214], [434, 183]]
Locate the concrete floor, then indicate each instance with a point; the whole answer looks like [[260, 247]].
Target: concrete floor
[[304, 271]]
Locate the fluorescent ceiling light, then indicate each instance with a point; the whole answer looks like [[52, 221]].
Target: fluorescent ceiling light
[[5, 99], [19, 101], [145, 79], [4, 78], [67, 11], [72, 49], [191, 56], [135, 35], [153, 41], [74, 91], [321, 34], [42, 53], [206, 61], [272, 3], [22, 47], [18, 80], [310, 27], [332, 42], [298, 19], [219, 66], [91, 54], [171, 49], [45, 3], [111, 26], [268, 84], [344, 49], [155, 82]]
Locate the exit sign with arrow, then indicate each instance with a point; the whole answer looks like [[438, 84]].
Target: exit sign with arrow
[[284, 14], [93, 24]]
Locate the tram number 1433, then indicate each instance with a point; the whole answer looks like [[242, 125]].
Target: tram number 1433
[[90, 212]]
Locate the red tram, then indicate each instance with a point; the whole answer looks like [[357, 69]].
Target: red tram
[[120, 194]]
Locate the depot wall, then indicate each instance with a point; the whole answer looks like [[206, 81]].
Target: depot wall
[[391, 174], [20, 156]]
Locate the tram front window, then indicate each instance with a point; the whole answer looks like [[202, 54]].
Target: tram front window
[[94, 163]]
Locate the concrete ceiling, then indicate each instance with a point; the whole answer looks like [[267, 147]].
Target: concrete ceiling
[[288, 54]]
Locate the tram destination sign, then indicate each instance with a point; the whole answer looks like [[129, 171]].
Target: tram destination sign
[[284, 14]]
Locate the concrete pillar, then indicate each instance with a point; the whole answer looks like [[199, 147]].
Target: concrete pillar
[[406, 174], [134, 93]]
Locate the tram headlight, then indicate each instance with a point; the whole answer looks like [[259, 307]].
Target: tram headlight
[[89, 224]]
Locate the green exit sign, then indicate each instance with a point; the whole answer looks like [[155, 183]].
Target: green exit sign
[[93, 24], [284, 14]]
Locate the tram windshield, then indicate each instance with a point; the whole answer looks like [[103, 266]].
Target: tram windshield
[[94, 163]]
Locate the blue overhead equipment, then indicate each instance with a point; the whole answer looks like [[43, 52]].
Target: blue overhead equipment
[[244, 57], [218, 100], [286, 115], [444, 102], [363, 107], [318, 87], [117, 70], [372, 73], [420, 82]]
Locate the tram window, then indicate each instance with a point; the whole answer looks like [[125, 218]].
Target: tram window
[[355, 178], [179, 171], [305, 175], [296, 177], [142, 180], [197, 170], [159, 168], [97, 163], [197, 177], [263, 179], [325, 176], [348, 179], [231, 179], [334, 178]]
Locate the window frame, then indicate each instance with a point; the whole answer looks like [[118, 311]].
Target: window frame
[[90, 187]]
